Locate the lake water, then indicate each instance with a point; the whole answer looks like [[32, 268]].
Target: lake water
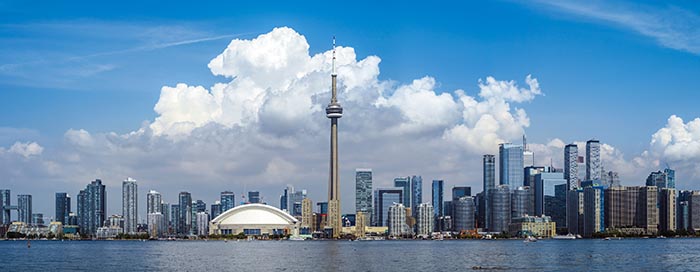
[[501, 255]]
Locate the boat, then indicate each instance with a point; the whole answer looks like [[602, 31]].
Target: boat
[[530, 239], [564, 237], [296, 238]]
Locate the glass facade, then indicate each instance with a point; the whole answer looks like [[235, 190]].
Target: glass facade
[[511, 165], [383, 199], [363, 191]]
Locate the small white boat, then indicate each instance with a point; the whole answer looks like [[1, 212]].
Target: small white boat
[[565, 237], [530, 239]]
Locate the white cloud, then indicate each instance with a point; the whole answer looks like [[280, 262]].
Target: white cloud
[[677, 140], [670, 26], [27, 149]]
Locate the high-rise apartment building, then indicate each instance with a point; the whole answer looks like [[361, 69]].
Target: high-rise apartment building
[[667, 209], [24, 209], [425, 219], [593, 165], [571, 166], [396, 221], [593, 210], [92, 207], [215, 209], [62, 208], [130, 205], [363, 191], [153, 202], [5, 207]]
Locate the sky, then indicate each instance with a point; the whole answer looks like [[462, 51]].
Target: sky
[[209, 96]]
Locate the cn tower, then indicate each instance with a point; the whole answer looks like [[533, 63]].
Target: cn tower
[[334, 111]]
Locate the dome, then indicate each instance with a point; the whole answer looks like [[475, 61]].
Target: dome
[[255, 219]]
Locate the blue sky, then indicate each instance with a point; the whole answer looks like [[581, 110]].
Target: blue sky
[[605, 69]]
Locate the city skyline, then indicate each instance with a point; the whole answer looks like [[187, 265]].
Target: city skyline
[[205, 147]]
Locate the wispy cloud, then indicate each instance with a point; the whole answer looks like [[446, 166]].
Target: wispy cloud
[[670, 26]]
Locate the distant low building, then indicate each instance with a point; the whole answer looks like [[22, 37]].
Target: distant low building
[[533, 226]]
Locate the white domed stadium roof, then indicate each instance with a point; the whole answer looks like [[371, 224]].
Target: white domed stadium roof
[[254, 214]]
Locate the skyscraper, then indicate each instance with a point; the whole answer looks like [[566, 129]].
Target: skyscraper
[[202, 223], [254, 197], [175, 218], [464, 210], [460, 191], [396, 220], [489, 172], [667, 209], [437, 200], [153, 202], [593, 210], [5, 207], [334, 111], [383, 199], [215, 209], [416, 193], [425, 219], [405, 184], [499, 199], [284, 198], [130, 205], [511, 165], [228, 201], [520, 202], [62, 208], [24, 209], [670, 177], [593, 160], [185, 213], [92, 207], [306, 213], [571, 166], [363, 191]]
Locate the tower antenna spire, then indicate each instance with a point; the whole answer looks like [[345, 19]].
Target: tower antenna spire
[[333, 55]]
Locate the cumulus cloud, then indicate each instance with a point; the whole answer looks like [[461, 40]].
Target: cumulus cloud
[[491, 120], [27, 149], [263, 126], [677, 140]]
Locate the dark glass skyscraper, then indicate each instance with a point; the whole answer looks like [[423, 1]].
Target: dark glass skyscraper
[[416, 194], [5, 207], [185, 216], [437, 193], [228, 201], [460, 191], [24, 208], [62, 208], [92, 207], [253, 197], [511, 165], [405, 184], [489, 172], [383, 199]]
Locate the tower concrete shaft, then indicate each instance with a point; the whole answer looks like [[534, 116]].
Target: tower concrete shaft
[[334, 111]]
